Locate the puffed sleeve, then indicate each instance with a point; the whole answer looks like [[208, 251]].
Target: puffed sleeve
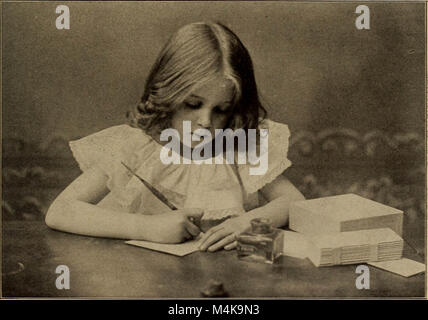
[[106, 150], [273, 159], [102, 149]]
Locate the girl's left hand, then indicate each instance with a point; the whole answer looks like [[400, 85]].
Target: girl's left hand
[[224, 234]]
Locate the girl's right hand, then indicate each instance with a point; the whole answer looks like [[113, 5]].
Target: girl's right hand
[[175, 226]]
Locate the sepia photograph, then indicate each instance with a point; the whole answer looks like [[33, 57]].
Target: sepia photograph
[[213, 149]]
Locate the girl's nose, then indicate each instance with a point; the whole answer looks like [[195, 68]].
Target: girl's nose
[[204, 119]]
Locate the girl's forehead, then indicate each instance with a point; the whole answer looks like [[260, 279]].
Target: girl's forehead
[[219, 88]]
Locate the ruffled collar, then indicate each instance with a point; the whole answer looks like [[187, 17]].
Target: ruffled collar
[[145, 161], [143, 155]]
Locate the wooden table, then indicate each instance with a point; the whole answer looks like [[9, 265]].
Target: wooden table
[[110, 268]]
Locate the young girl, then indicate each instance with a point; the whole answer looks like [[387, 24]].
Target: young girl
[[204, 75]]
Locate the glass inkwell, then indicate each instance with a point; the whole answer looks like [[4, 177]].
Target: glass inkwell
[[261, 242]]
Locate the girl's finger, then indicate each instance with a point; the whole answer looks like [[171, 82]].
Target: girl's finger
[[223, 242], [208, 234], [193, 213], [186, 236], [214, 238], [231, 246], [192, 228]]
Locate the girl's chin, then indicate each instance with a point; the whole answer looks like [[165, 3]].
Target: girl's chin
[[199, 144]]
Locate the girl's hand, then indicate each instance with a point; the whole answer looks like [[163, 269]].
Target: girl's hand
[[175, 226], [224, 234]]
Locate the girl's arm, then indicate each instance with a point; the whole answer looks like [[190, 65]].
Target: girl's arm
[[74, 211], [280, 194]]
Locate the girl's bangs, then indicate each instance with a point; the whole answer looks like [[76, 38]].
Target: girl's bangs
[[198, 83]]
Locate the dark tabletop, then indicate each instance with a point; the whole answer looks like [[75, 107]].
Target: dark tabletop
[[110, 268]]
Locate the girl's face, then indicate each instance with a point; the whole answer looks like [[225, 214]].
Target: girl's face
[[207, 107]]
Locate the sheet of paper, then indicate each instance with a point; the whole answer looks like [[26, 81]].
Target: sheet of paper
[[404, 267], [295, 245], [180, 249]]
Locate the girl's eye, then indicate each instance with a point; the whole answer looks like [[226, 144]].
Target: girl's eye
[[193, 105], [220, 110]]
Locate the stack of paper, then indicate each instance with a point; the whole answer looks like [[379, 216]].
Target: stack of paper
[[346, 212], [355, 247]]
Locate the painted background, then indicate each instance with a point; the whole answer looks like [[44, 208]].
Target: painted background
[[314, 69]]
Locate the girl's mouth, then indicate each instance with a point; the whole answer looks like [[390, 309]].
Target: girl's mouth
[[196, 135]]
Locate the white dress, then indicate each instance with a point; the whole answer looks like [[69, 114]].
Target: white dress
[[215, 188]]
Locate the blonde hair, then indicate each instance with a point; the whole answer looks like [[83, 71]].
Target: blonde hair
[[195, 54]]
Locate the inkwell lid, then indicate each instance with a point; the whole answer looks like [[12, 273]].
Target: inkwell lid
[[261, 226]]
